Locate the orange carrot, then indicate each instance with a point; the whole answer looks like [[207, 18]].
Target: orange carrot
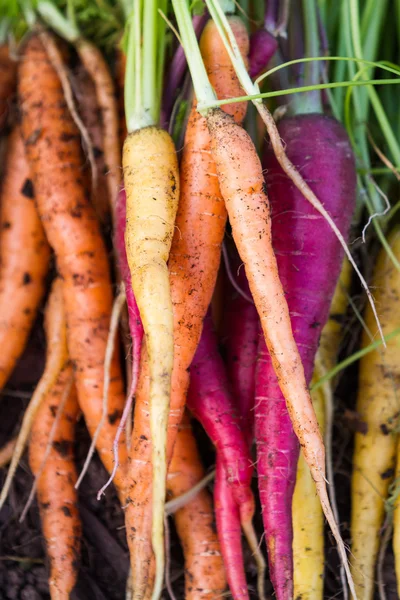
[[8, 77], [88, 109], [204, 569], [55, 469], [193, 266], [24, 254], [96, 66], [53, 148]]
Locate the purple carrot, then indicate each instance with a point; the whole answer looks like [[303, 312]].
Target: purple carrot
[[240, 338], [263, 46], [229, 533], [211, 402], [309, 259]]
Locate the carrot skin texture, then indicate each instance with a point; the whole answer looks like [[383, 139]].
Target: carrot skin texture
[[193, 267], [204, 569], [53, 149], [374, 459], [210, 401], [89, 112], [309, 262], [96, 66], [8, 80], [57, 497], [24, 253]]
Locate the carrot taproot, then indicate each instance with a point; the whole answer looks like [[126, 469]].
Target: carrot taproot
[[193, 266], [204, 570], [88, 109], [56, 472], [24, 256], [8, 80], [378, 409], [53, 149]]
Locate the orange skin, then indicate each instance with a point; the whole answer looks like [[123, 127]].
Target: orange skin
[[193, 265], [56, 494], [88, 109], [8, 79], [24, 257], [53, 148], [204, 569], [96, 66]]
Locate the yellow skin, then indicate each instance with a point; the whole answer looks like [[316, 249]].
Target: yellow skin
[[308, 518], [151, 179], [378, 407], [396, 521]]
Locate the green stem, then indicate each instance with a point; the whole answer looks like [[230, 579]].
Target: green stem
[[149, 62], [202, 87], [133, 83], [373, 96], [307, 88], [353, 358], [310, 102], [66, 28]]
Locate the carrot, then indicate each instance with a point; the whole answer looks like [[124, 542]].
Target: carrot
[[97, 69], [24, 254], [57, 497], [151, 180], [211, 401], [95, 64], [204, 569], [53, 149], [308, 526], [8, 78], [88, 109], [378, 409], [193, 267], [56, 360]]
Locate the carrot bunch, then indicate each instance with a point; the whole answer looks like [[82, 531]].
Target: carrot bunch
[[137, 224]]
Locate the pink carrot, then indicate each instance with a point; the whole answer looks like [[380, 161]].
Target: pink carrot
[[212, 403], [309, 259]]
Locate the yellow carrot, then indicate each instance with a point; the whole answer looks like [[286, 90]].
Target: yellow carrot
[[378, 409]]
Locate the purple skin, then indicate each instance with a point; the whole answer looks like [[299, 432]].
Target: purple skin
[[263, 46], [211, 402], [135, 323], [309, 258], [241, 335]]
